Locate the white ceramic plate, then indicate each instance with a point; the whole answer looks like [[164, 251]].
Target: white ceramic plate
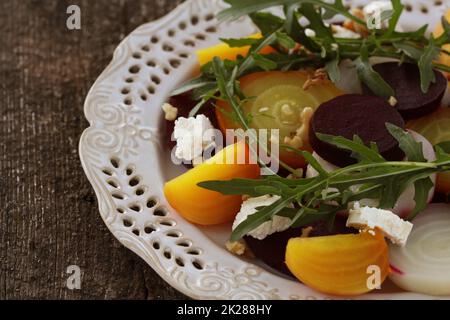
[[125, 161]]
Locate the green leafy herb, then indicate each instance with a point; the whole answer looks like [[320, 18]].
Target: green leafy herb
[[427, 75], [370, 77], [267, 22], [332, 68], [285, 41], [372, 177], [242, 42], [263, 62], [321, 197], [412, 149]]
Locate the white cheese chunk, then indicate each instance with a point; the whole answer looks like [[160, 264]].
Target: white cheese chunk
[[376, 7], [341, 32], [193, 136], [310, 33], [276, 224], [393, 227], [373, 11]]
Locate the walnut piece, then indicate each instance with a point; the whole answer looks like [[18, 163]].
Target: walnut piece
[[236, 247], [170, 112]]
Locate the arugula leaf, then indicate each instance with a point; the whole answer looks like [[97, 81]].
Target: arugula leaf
[[370, 77], [266, 22], [263, 62], [397, 12], [309, 158], [315, 22], [359, 150], [412, 149], [261, 216], [445, 146], [241, 8], [295, 30], [390, 192], [332, 69], [303, 218], [422, 190], [234, 187], [425, 64], [192, 84], [285, 41], [445, 37], [237, 43], [411, 51]]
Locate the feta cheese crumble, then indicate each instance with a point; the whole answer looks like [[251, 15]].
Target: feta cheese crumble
[[376, 7], [393, 227], [372, 13], [341, 32], [276, 224], [310, 33], [193, 136]]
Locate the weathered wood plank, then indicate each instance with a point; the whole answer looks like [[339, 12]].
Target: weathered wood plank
[[48, 212]]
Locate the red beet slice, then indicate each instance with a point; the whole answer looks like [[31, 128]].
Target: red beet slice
[[405, 80], [347, 115], [272, 249]]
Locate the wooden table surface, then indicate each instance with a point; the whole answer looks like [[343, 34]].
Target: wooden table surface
[[48, 211]]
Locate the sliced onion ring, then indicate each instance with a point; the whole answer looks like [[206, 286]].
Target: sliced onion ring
[[423, 265]]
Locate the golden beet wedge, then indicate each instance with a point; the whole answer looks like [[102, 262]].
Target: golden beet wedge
[[206, 207], [225, 52], [339, 265]]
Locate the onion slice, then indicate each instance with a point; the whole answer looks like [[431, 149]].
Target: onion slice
[[423, 265]]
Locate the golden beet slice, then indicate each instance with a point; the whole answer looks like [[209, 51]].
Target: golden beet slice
[[339, 265], [277, 100]]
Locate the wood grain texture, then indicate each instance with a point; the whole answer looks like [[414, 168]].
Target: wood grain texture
[[48, 212]]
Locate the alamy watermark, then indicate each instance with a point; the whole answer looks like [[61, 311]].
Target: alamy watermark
[[73, 22], [73, 282], [374, 280]]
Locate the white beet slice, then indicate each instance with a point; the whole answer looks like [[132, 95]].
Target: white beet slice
[[423, 265], [405, 204]]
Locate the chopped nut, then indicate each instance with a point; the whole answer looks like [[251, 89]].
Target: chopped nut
[[295, 142], [286, 109], [342, 32], [236, 247], [352, 25], [306, 232], [301, 135], [392, 101], [297, 175], [319, 76], [170, 112]]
